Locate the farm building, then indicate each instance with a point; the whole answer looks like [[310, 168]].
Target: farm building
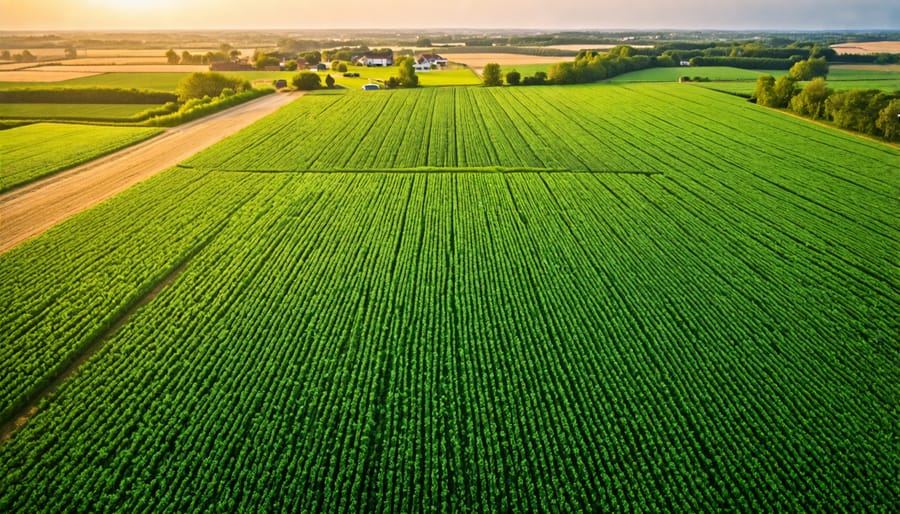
[[430, 59], [377, 59], [427, 62]]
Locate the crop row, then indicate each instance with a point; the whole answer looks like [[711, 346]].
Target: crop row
[[715, 337], [26, 158], [500, 341]]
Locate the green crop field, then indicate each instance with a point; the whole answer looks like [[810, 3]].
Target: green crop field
[[151, 81], [715, 73], [589, 298], [71, 111], [35, 151]]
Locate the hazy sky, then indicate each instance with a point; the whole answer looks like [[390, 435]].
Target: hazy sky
[[407, 14]]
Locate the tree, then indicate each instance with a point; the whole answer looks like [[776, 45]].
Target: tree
[[71, 52], [765, 90], [312, 58], [200, 84], [342, 68], [290, 65], [307, 81], [811, 100], [407, 72], [5, 55], [186, 57], [491, 76], [513, 78], [785, 88], [329, 81], [888, 121], [809, 69], [172, 57]]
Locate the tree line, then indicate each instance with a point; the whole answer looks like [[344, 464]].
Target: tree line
[[867, 111]]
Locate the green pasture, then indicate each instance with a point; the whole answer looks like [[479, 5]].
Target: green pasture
[[71, 111]]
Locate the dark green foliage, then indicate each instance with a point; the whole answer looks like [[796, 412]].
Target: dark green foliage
[[85, 95], [513, 78], [888, 121], [407, 77], [809, 69], [810, 101], [307, 81], [857, 109], [491, 75], [211, 84]]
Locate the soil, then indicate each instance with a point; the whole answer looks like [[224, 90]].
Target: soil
[[29, 211]]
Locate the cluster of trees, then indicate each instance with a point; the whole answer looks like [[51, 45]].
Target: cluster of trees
[[407, 77], [868, 111], [211, 84], [25, 56], [345, 53], [225, 53], [778, 93]]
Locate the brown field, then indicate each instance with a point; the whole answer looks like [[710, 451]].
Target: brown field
[[479, 60], [29, 211], [36, 75], [872, 47]]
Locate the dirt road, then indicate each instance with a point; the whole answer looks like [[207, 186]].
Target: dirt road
[[29, 211]]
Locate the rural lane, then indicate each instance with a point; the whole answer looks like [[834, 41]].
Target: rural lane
[[29, 211]]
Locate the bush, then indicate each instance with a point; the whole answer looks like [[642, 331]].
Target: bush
[[513, 78], [199, 107], [307, 81], [200, 84]]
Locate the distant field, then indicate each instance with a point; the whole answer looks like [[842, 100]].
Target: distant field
[[597, 298], [153, 81], [24, 77], [864, 72], [715, 73], [71, 111], [35, 151], [506, 60], [871, 47]]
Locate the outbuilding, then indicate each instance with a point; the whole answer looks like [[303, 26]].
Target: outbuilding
[[371, 87]]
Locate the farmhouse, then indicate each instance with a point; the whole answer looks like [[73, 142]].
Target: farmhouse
[[427, 62], [377, 59]]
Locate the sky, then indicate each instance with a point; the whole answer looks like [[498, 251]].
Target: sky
[[411, 14]]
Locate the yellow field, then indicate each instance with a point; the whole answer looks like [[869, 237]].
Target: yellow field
[[38, 75], [871, 47], [479, 60]]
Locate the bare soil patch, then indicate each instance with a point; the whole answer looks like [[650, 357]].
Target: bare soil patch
[[871, 47], [29, 211]]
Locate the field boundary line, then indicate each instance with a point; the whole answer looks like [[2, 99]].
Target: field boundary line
[[32, 405], [436, 170]]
